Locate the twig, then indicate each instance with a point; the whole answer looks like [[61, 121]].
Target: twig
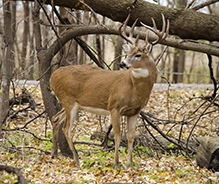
[[212, 75], [53, 28], [202, 5], [20, 149], [19, 110], [88, 143], [83, 44], [20, 128], [160, 132], [161, 55], [143, 120], [92, 11], [190, 134], [190, 4], [50, 140]]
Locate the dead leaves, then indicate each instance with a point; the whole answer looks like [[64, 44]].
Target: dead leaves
[[96, 164]]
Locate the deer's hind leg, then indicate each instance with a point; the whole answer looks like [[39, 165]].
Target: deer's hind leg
[[71, 115], [56, 122], [115, 118]]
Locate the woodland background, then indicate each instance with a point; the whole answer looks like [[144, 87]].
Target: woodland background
[[38, 37]]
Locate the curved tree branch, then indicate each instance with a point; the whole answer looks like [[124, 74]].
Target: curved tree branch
[[98, 29], [14, 170]]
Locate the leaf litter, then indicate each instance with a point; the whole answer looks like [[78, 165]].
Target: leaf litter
[[37, 166]]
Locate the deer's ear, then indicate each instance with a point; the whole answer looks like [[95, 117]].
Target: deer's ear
[[126, 48]]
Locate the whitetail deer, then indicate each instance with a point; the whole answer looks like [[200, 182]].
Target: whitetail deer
[[118, 93]]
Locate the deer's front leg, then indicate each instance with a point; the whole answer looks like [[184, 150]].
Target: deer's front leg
[[115, 118], [131, 124]]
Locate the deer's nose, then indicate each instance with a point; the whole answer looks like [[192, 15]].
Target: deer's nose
[[123, 65]]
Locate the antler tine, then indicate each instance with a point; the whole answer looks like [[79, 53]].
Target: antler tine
[[122, 30], [132, 29], [164, 26], [147, 45], [161, 35], [167, 30]]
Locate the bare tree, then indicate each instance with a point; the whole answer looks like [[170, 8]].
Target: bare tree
[[4, 103], [118, 52], [32, 50], [179, 55], [13, 27], [25, 37]]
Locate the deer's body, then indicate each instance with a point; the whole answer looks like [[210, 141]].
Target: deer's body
[[104, 92], [118, 93], [122, 92]]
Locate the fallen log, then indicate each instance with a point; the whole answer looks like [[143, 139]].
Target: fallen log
[[208, 153]]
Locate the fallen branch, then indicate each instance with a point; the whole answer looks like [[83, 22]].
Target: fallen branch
[[23, 127], [21, 149], [16, 171]]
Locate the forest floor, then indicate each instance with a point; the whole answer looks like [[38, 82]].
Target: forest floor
[[29, 148]]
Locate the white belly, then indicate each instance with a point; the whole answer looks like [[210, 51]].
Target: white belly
[[96, 110]]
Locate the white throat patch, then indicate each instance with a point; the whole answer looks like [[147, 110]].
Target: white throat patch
[[138, 72]]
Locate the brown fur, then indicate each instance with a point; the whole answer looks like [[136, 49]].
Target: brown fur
[[118, 92]]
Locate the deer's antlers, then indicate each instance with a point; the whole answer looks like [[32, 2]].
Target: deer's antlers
[[122, 32], [161, 34]]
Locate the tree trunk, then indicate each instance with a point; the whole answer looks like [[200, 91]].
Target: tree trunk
[[179, 56], [187, 24], [181, 66], [13, 27], [25, 38], [175, 65], [50, 101], [2, 51], [4, 104], [98, 48], [82, 55], [178, 65], [32, 53], [32, 50], [118, 52], [44, 59]]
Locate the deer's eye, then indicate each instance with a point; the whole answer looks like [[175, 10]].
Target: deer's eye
[[138, 55]]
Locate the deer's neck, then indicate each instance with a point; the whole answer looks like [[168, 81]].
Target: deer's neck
[[140, 73], [143, 79]]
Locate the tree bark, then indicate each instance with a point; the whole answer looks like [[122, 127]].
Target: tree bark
[[4, 104], [45, 58], [25, 38], [13, 27], [185, 23], [32, 52], [181, 66], [118, 53], [175, 65], [179, 56], [44, 63]]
